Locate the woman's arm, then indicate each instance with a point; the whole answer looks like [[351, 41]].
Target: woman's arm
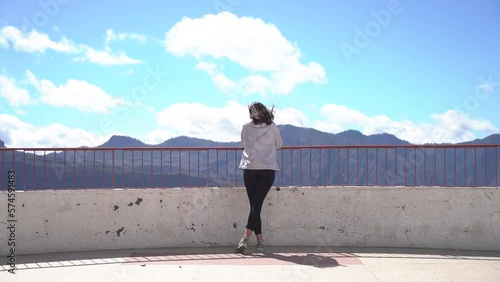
[[277, 136], [243, 136]]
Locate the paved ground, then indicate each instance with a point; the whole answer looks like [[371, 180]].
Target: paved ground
[[275, 264]]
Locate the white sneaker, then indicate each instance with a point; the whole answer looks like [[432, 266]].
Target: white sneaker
[[242, 245], [260, 245]]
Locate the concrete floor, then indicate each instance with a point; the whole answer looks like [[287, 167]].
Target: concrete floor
[[274, 264]]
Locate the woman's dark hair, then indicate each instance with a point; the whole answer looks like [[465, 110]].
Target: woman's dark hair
[[260, 114]]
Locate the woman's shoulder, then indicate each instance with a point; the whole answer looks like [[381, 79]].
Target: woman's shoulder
[[247, 124]]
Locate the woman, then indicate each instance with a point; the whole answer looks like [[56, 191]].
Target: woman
[[260, 139]]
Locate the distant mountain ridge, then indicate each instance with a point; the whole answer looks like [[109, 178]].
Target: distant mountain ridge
[[166, 166], [492, 139], [292, 136], [122, 142]]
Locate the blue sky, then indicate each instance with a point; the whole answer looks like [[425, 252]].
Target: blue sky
[[74, 73]]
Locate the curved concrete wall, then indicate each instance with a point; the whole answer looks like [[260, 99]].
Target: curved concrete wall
[[446, 218]]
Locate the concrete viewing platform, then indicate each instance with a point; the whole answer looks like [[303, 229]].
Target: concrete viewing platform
[[274, 264], [188, 234]]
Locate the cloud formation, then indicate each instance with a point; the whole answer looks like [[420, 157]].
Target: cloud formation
[[77, 94], [13, 93], [452, 126], [271, 61], [224, 124], [21, 134], [38, 42]]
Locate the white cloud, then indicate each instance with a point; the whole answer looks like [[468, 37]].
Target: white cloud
[[157, 136], [214, 123], [76, 94], [106, 57], [20, 134], [15, 95], [36, 41], [201, 121], [451, 126], [271, 60], [112, 36], [290, 116]]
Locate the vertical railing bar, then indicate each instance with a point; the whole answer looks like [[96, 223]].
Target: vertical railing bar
[[475, 167], [54, 176], [189, 168], [301, 166], [14, 162], [435, 173], [386, 166], [84, 170], [74, 169], [3, 169], [415, 180], [103, 180], [320, 167], [485, 168], [367, 167], [44, 170], [338, 166], [93, 173], [348, 159], [34, 169], [329, 166], [64, 170], [227, 170], [208, 167], [142, 168], [198, 183], [405, 167], [465, 167], [310, 166], [376, 166], [24, 169], [357, 166], [291, 167], [133, 169], [455, 167], [180, 168], [123, 169], [425, 166], [217, 167], [236, 166], [395, 165], [170, 168], [151, 178], [444, 165], [113, 168], [282, 166], [496, 166], [161, 168]]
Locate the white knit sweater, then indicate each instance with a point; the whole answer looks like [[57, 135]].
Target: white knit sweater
[[260, 142]]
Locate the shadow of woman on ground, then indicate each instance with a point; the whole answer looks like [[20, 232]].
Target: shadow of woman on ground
[[303, 259]]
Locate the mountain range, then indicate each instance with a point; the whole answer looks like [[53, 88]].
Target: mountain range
[[173, 164], [292, 136]]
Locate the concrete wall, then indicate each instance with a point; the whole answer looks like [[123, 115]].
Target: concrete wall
[[449, 218]]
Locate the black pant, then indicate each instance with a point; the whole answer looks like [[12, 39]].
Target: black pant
[[258, 183]]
